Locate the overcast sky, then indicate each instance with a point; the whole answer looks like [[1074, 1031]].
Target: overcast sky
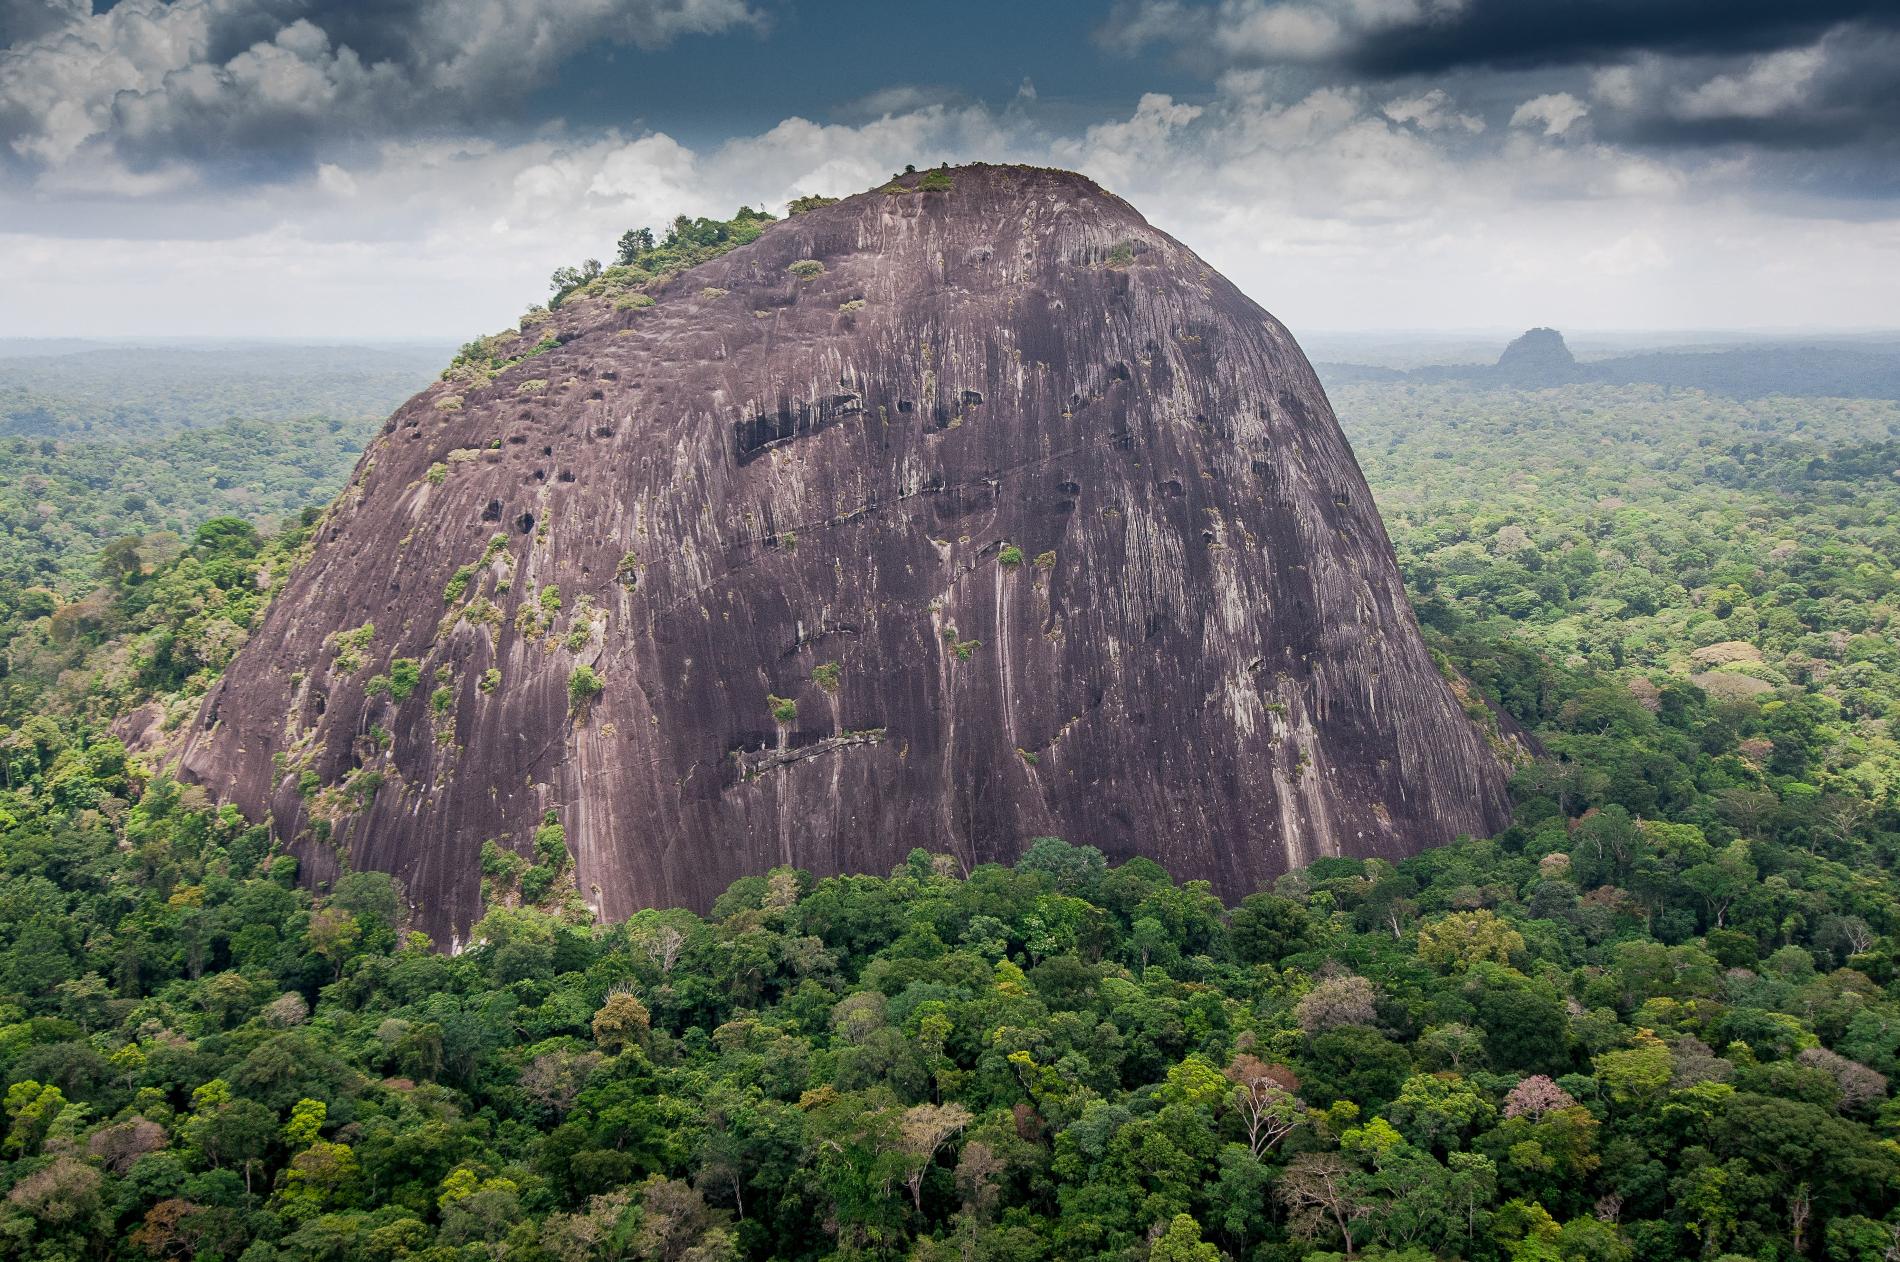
[[416, 168]]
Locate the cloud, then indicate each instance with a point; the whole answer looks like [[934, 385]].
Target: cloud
[[27, 19], [1556, 112], [899, 99], [1338, 199], [268, 79], [1830, 108], [1325, 208], [1432, 111], [1405, 37], [1811, 83], [1769, 86], [1268, 31]]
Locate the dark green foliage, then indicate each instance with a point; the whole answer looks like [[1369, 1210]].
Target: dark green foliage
[[1077, 1037], [638, 260], [583, 685]]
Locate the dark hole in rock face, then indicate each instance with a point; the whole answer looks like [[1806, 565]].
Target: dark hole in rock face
[[515, 440], [1119, 371], [547, 451], [1172, 489], [1069, 488], [493, 511], [603, 431], [524, 523], [972, 397], [1124, 440], [566, 475], [317, 703], [1262, 468], [595, 395], [941, 415], [1207, 536], [906, 405], [795, 419], [1343, 498], [540, 475]]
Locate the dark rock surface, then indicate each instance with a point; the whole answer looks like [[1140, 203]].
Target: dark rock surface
[[1068, 511]]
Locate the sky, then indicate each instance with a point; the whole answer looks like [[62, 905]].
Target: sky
[[416, 168]]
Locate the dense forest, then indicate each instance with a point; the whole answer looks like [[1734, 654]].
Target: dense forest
[[109, 443], [1655, 1018]]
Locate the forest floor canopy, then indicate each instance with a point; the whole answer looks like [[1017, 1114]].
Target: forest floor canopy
[[1655, 1018]]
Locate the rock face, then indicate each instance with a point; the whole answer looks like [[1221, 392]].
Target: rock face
[[1015, 519]]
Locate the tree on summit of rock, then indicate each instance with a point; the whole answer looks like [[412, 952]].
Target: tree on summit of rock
[[633, 243]]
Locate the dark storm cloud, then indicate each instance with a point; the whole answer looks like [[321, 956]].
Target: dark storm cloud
[[25, 19], [257, 83], [1840, 91], [1516, 34], [1778, 74]]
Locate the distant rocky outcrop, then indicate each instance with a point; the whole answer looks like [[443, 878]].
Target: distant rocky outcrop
[[955, 513], [1539, 358]]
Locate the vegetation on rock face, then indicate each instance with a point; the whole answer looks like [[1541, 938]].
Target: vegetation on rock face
[[583, 685], [640, 259]]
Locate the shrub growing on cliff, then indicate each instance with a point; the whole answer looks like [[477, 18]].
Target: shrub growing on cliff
[[805, 269], [404, 674], [583, 685], [457, 584], [784, 709]]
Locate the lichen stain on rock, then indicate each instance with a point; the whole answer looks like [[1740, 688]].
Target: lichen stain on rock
[[1218, 669]]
